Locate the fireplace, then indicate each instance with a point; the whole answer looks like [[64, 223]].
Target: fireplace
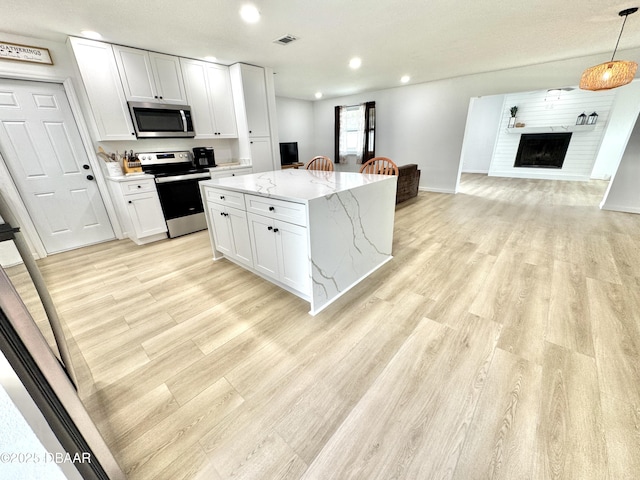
[[542, 150]]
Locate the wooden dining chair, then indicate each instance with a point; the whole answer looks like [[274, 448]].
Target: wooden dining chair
[[320, 163], [380, 166]]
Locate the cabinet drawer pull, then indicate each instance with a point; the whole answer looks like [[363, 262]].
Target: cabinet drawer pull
[[221, 197], [275, 230], [269, 228], [272, 209]]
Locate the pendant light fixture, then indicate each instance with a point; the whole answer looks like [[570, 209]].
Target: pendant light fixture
[[614, 73]]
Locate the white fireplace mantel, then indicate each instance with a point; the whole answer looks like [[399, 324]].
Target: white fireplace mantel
[[552, 129]]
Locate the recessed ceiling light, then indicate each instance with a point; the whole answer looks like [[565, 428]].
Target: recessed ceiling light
[[405, 78], [318, 95], [249, 13], [355, 63], [210, 58], [91, 34]]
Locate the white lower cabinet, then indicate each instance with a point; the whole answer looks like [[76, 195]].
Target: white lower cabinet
[[146, 214], [280, 251], [230, 231], [258, 233], [138, 208], [264, 243]]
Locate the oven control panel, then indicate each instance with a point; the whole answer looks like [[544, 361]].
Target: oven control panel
[[161, 158]]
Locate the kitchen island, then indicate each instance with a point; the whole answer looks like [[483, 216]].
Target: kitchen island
[[315, 234]]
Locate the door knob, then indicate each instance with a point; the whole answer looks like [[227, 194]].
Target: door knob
[[89, 177]]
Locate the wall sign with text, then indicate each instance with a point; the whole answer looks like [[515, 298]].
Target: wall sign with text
[[24, 53]]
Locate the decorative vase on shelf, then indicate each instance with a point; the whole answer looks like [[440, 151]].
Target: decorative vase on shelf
[[513, 111]]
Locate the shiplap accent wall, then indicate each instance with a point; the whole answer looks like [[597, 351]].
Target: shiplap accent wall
[[542, 109]]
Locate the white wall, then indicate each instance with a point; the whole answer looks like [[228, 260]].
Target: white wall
[[480, 134], [623, 194], [62, 62], [541, 109], [411, 127], [295, 124], [623, 117], [425, 123]]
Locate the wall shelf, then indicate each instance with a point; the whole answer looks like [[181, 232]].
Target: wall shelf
[[553, 129]]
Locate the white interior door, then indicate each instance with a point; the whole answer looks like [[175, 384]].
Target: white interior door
[[41, 145]]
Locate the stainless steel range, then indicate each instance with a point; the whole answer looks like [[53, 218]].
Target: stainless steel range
[[177, 183]]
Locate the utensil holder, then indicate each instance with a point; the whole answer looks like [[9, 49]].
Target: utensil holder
[[113, 169]]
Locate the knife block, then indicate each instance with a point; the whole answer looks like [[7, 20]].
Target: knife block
[[131, 166]]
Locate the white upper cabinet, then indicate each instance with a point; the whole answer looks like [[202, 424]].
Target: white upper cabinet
[[150, 77], [97, 67], [209, 94], [255, 98]]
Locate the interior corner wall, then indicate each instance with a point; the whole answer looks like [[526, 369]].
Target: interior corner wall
[[623, 194], [480, 135], [424, 123], [624, 112], [295, 124]]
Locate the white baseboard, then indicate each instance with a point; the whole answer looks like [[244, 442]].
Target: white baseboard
[[436, 190], [540, 176], [621, 208]]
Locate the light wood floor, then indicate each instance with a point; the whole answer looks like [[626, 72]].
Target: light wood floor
[[502, 342]]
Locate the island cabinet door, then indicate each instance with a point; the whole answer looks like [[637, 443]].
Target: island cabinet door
[[241, 240], [293, 255], [264, 243], [222, 236]]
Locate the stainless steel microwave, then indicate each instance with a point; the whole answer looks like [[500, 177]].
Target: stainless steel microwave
[[158, 120]]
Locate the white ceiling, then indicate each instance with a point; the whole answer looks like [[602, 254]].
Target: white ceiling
[[426, 39]]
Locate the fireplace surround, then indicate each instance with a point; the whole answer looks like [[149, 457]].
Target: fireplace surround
[[542, 150]]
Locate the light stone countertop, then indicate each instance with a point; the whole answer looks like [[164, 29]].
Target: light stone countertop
[[296, 185], [228, 166], [130, 178]]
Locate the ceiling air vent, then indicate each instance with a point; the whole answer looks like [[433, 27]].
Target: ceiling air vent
[[286, 40]]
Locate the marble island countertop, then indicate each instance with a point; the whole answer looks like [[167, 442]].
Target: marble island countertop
[[229, 166], [315, 234], [297, 185]]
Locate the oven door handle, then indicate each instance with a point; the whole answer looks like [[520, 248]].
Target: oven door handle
[[177, 178]]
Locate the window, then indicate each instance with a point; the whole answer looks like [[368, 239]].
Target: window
[[354, 128], [355, 132]]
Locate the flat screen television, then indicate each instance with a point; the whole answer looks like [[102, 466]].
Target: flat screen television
[[288, 153]]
